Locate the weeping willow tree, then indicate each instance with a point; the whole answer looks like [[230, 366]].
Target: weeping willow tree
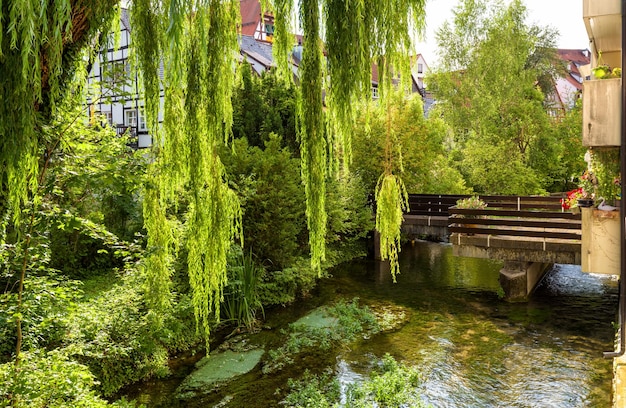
[[355, 35], [196, 43], [42, 46]]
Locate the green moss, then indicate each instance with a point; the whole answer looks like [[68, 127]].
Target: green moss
[[322, 329], [218, 368]]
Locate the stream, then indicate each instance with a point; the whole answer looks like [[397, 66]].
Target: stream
[[472, 348]]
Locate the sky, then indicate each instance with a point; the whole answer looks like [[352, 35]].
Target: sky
[[564, 15]]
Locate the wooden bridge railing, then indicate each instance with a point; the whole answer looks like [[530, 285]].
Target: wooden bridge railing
[[536, 217], [433, 205], [438, 205]]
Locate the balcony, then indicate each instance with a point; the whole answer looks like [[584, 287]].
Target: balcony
[[603, 21], [602, 107], [133, 140]]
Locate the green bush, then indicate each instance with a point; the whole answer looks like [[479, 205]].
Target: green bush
[[282, 287], [269, 187], [46, 303], [117, 337], [50, 379], [350, 219]]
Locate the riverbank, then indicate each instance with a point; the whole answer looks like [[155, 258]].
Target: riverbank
[[470, 347]]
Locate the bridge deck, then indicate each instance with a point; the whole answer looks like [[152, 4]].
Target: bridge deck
[[526, 229]]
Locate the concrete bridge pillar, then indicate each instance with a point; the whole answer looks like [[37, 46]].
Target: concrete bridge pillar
[[518, 279]]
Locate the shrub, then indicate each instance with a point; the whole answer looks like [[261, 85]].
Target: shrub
[[49, 379]]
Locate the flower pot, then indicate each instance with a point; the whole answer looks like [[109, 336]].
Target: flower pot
[[585, 202]]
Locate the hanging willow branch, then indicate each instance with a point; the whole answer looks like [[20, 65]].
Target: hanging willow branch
[[198, 48], [311, 131]]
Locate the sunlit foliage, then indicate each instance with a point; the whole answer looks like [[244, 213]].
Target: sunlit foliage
[[491, 87], [194, 43]]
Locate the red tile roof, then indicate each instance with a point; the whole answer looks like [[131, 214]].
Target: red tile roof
[[250, 16], [576, 56]]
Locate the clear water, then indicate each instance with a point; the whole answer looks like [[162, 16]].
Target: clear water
[[472, 348]]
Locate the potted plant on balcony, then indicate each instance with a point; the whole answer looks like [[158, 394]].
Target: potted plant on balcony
[[606, 165], [471, 203], [603, 71], [584, 195], [601, 105]]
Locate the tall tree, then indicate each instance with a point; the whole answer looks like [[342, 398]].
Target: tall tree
[[196, 41], [421, 140], [490, 89]]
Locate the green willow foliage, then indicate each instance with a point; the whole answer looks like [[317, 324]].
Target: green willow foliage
[[198, 49], [392, 196], [40, 45], [197, 44], [356, 34], [311, 130]]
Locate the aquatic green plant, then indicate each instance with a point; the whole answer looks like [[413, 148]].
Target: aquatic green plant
[[391, 384], [241, 298], [323, 328], [313, 391]]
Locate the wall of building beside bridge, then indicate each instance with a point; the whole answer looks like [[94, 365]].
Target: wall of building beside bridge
[[600, 241]]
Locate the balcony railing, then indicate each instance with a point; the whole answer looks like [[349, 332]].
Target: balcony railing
[[133, 139]]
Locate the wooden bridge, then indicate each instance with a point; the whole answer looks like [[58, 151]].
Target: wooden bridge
[[528, 234]]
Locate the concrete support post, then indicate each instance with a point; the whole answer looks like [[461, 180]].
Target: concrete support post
[[518, 279]]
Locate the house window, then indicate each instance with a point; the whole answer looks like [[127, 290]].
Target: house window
[[420, 68], [130, 118], [375, 92], [116, 72], [142, 122], [109, 117]]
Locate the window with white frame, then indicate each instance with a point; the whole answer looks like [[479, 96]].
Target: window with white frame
[[109, 117], [375, 92], [130, 117], [420, 68], [142, 121]]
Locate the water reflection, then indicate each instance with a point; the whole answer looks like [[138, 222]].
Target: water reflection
[[472, 348], [476, 350]]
